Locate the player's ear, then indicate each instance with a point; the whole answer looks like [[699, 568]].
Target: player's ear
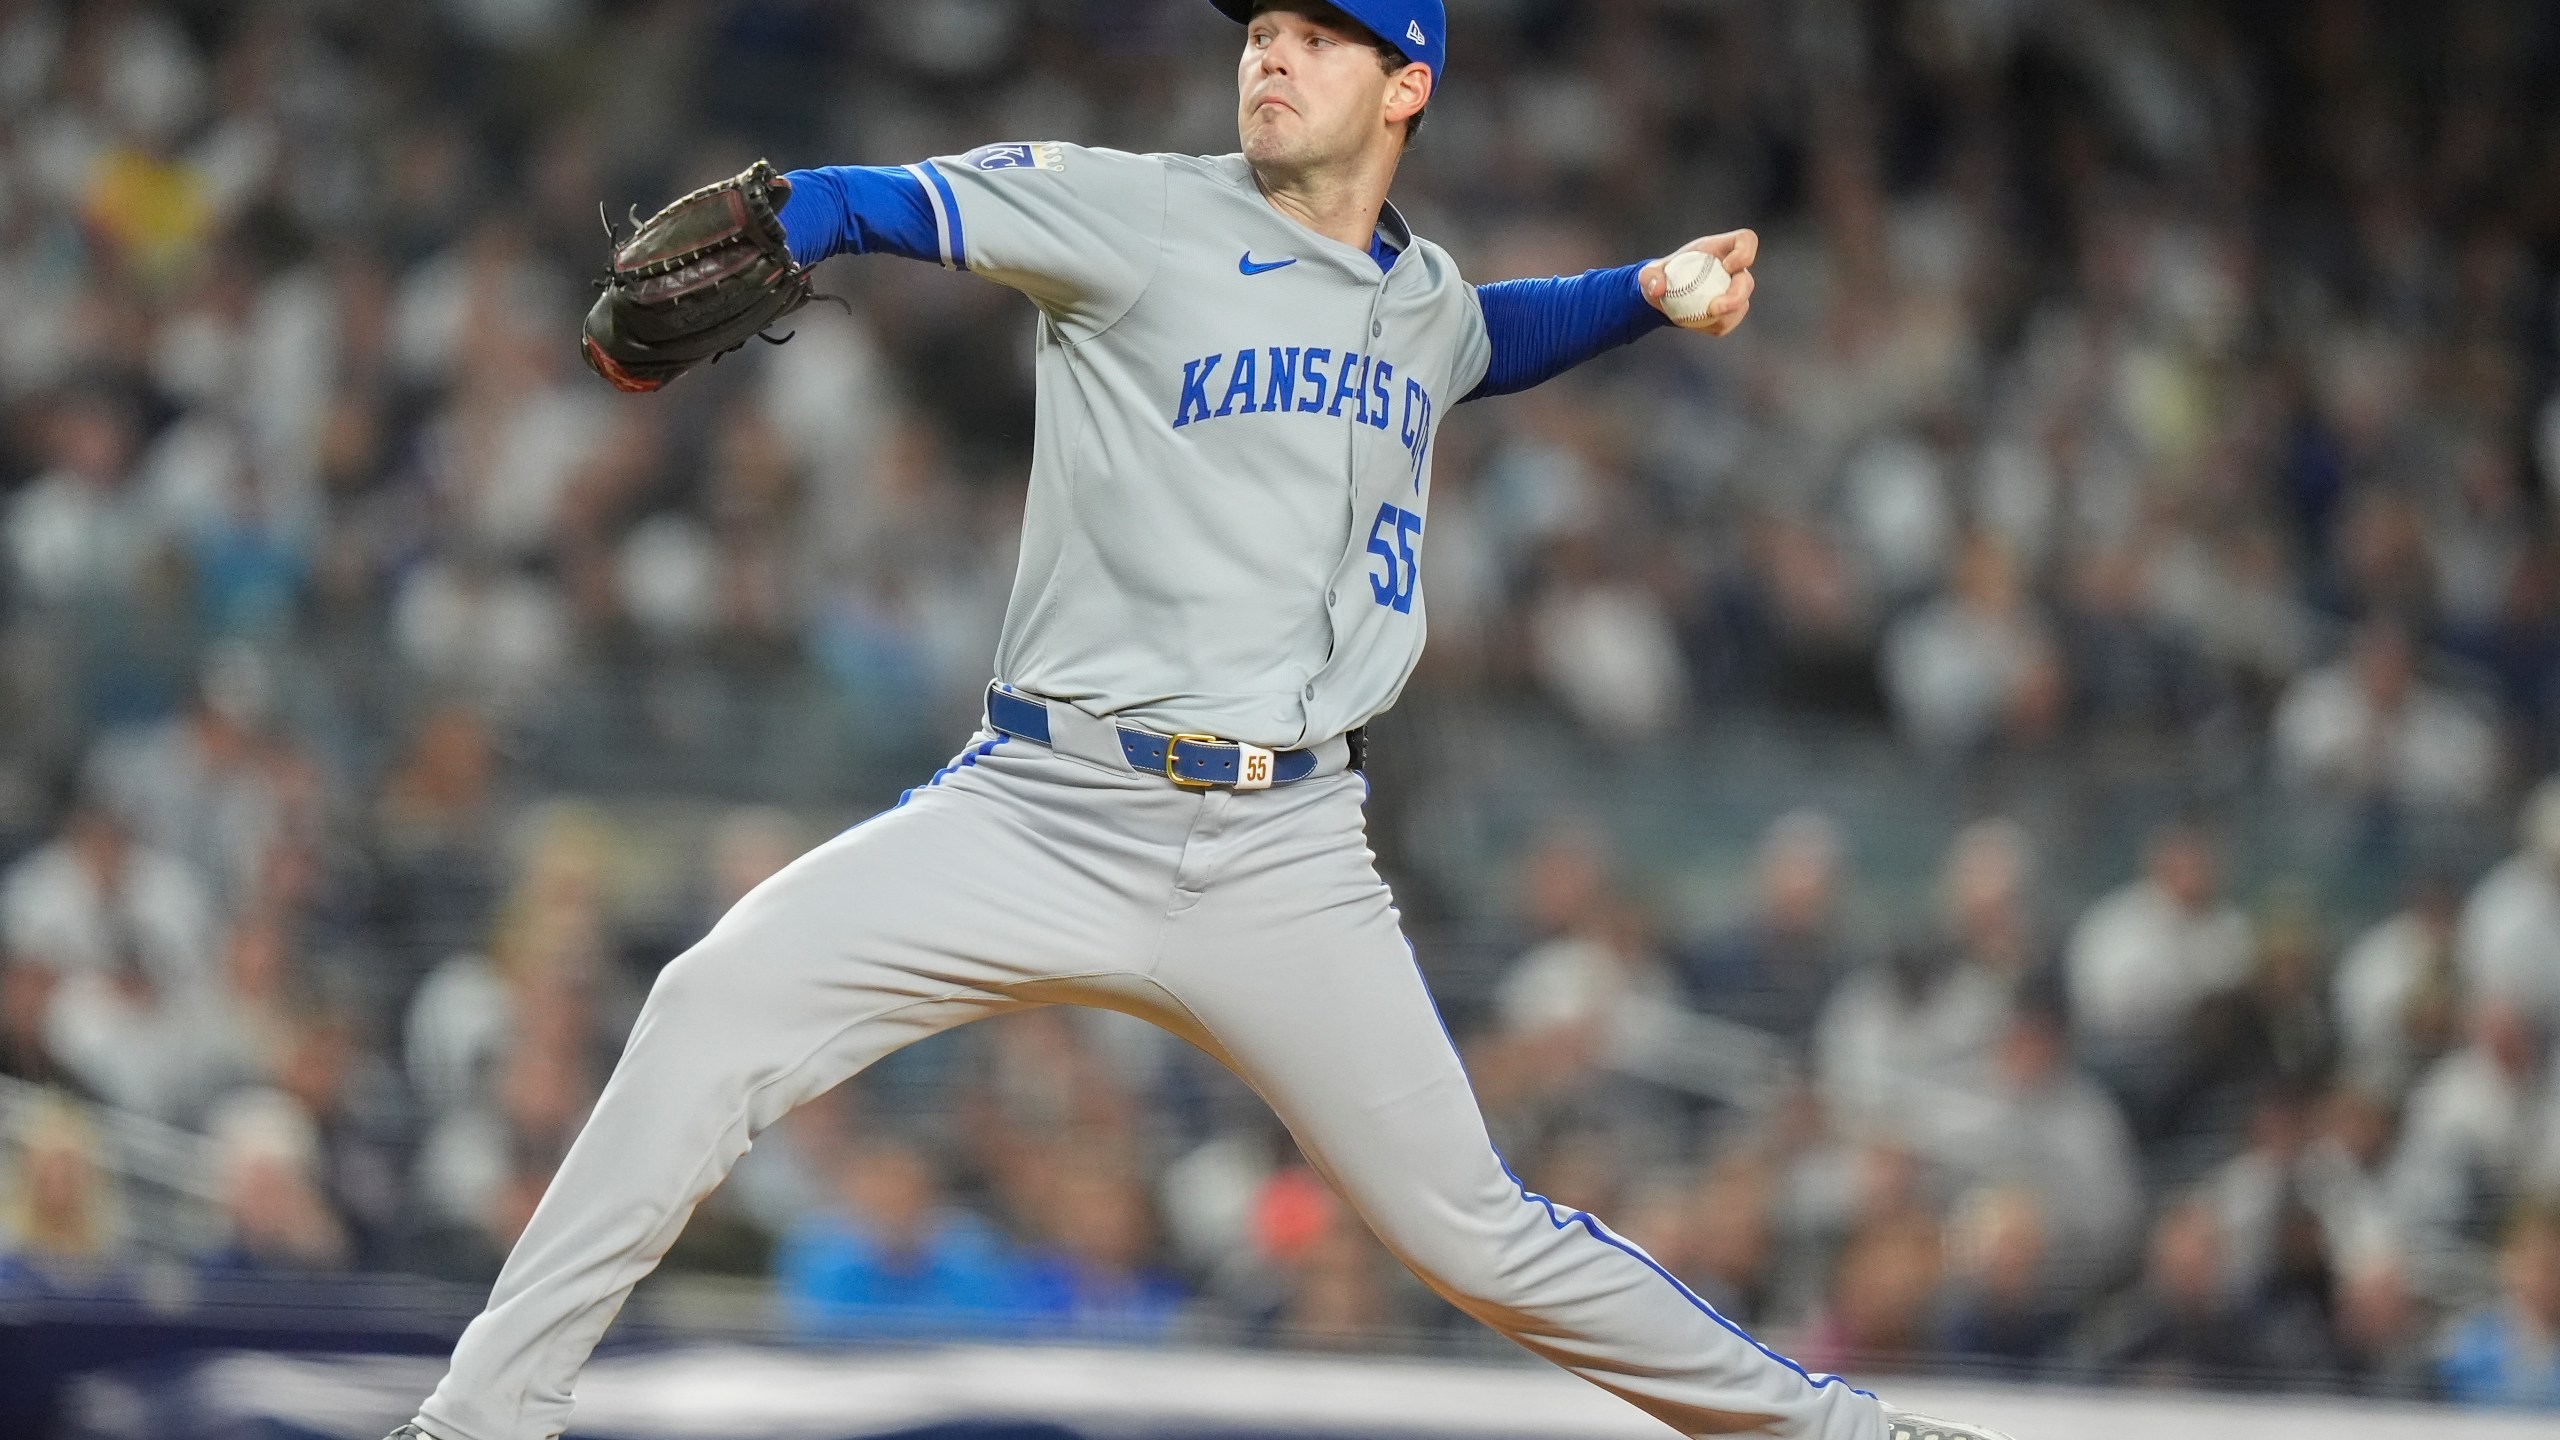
[[1408, 90]]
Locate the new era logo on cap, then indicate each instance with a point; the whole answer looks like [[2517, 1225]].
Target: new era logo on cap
[[1413, 32]]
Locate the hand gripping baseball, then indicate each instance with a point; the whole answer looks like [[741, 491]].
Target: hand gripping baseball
[[694, 282], [1696, 301]]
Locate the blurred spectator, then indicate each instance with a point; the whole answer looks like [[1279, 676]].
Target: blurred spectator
[[2254, 1194], [562, 862], [127, 936], [2398, 993], [2050, 1131], [2477, 1128], [1898, 1037], [1336, 1287], [2297, 1301], [2233, 598], [2509, 941], [902, 615], [755, 499], [2344, 1175], [279, 1220], [1976, 666], [1809, 606], [473, 627], [1878, 1313], [1577, 1010], [26, 1001], [2188, 1322], [1895, 495], [435, 826], [198, 787], [2002, 1313], [892, 1256], [78, 533], [246, 1022], [1095, 1277], [2277, 1031], [362, 1125], [2384, 1332], [61, 1230], [2508, 1353], [1773, 971], [748, 847], [2368, 730], [510, 1052], [2142, 963], [1604, 646], [1988, 903], [1208, 1194], [1043, 1095]]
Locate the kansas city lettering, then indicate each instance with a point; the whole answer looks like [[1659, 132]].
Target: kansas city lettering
[[1305, 380]]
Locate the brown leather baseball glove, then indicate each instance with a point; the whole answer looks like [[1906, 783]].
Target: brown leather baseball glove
[[698, 279]]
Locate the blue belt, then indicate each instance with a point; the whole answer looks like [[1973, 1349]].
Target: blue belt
[[1195, 762]]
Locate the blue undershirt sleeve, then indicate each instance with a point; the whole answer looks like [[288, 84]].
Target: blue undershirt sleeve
[[1538, 329], [858, 210]]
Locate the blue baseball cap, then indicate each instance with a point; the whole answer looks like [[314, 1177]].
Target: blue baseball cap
[[1419, 28]]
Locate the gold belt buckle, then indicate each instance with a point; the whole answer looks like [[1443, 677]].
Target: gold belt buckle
[[1173, 751]]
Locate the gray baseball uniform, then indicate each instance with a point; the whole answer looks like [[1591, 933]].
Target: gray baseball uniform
[[1232, 466], [1229, 473]]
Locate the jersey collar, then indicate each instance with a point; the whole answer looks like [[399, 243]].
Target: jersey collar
[[1391, 222]]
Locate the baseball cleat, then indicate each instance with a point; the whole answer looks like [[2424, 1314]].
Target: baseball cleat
[[409, 1431], [1903, 1425]]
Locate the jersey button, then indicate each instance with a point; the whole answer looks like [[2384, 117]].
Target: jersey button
[[1376, 329], [1310, 692], [1332, 597]]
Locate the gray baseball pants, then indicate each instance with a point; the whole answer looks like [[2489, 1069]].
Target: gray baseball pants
[[1253, 925]]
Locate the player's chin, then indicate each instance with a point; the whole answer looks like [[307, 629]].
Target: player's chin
[[1268, 144]]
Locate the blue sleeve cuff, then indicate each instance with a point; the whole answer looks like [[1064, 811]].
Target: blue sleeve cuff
[[1538, 329], [858, 210]]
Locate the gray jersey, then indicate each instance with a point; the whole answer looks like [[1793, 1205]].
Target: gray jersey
[[1231, 468]]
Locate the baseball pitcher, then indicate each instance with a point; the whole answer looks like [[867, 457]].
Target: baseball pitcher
[[1242, 361]]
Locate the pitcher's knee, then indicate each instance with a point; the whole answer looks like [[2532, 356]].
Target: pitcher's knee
[[713, 986], [692, 981]]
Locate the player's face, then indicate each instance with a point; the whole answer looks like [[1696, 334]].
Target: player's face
[[1309, 92]]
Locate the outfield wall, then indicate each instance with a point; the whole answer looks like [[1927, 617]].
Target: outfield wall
[[988, 1393]]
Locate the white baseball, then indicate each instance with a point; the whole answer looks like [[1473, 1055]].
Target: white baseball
[[1692, 280]]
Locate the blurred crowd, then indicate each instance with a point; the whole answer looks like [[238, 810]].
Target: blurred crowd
[[2172, 1140], [2175, 378]]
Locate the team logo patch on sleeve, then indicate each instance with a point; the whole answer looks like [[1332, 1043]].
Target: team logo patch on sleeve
[[1018, 155]]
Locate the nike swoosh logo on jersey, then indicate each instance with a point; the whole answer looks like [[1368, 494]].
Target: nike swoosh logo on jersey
[[1245, 263]]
